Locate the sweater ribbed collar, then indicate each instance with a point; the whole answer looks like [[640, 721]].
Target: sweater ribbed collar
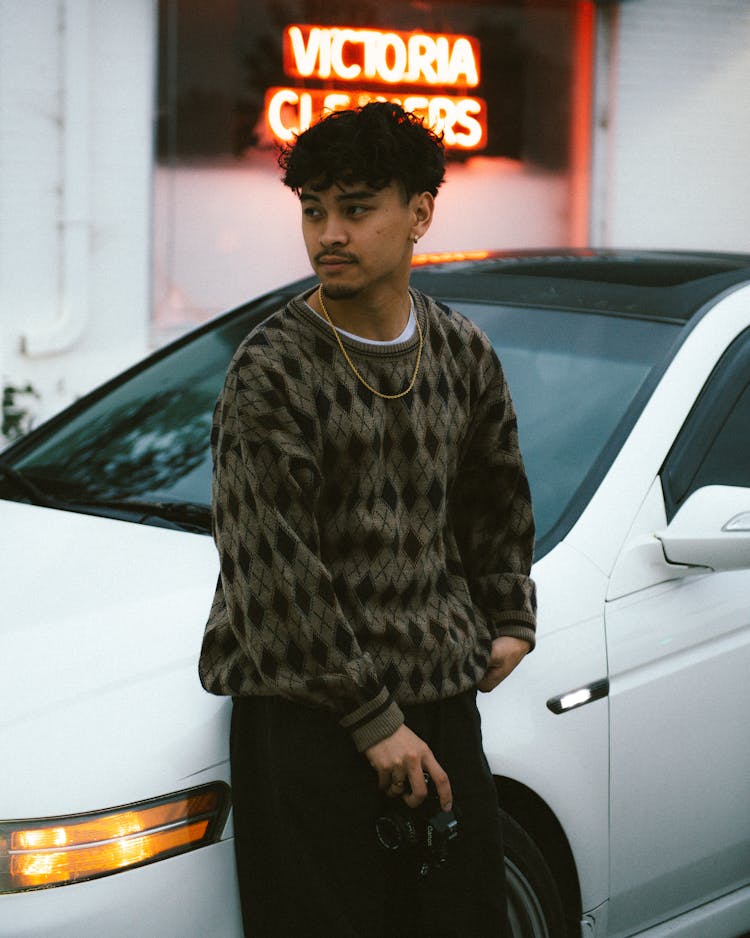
[[299, 308]]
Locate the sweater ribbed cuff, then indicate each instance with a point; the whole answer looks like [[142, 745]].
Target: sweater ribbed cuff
[[373, 721], [515, 630]]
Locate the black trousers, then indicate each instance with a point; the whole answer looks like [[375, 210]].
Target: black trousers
[[305, 806]]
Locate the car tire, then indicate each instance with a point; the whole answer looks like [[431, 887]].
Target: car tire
[[535, 908]]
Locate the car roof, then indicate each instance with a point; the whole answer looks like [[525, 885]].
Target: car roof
[[667, 285]]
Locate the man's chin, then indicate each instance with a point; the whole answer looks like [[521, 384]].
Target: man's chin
[[340, 291]]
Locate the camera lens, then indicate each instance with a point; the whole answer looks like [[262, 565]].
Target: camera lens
[[389, 833], [395, 832]]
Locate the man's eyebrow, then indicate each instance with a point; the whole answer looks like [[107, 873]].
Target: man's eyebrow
[[357, 195]]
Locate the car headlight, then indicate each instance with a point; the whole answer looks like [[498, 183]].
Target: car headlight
[[35, 854]]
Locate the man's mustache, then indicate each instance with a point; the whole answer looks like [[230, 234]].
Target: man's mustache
[[334, 256]]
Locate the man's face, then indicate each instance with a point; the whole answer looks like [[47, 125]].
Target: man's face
[[359, 239]]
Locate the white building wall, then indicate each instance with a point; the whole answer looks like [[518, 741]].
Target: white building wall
[[76, 131], [673, 125]]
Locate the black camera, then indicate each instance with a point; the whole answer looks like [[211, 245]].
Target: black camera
[[421, 834]]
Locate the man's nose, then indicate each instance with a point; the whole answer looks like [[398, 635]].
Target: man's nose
[[333, 231]]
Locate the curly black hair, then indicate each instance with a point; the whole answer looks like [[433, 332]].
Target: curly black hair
[[377, 144]]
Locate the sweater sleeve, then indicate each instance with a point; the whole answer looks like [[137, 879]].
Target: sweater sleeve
[[281, 604], [492, 516]]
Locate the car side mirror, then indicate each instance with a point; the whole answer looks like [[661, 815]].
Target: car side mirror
[[712, 529]]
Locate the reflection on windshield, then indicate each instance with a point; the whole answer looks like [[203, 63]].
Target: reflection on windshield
[[148, 439], [140, 446], [573, 377]]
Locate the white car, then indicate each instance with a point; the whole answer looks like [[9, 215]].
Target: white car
[[621, 745]]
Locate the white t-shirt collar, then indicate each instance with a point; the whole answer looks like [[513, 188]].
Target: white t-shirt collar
[[409, 329]]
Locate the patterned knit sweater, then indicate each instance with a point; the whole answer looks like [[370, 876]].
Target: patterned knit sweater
[[370, 549]]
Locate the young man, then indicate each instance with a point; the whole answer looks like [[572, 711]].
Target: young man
[[375, 533]]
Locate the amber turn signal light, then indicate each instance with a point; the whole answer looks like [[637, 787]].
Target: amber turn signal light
[[37, 854]]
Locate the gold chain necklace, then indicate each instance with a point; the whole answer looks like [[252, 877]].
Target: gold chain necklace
[[387, 397]]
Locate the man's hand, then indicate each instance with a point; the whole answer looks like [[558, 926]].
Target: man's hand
[[506, 654], [400, 761]]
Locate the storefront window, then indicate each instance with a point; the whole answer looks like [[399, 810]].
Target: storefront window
[[507, 82]]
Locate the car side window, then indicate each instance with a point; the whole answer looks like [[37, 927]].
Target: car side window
[[713, 447]]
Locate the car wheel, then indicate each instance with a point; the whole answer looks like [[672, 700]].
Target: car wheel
[[535, 909]]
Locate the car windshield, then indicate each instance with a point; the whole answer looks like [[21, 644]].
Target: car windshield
[[573, 377]]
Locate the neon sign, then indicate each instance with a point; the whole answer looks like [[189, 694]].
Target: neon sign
[[349, 54], [417, 68]]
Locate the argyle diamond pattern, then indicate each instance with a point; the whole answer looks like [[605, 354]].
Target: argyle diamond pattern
[[370, 550]]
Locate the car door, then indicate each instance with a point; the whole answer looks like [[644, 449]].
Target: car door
[[678, 642]]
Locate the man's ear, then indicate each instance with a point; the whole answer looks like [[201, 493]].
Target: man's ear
[[423, 208]]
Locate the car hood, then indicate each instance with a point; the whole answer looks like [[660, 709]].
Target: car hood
[[100, 633]]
